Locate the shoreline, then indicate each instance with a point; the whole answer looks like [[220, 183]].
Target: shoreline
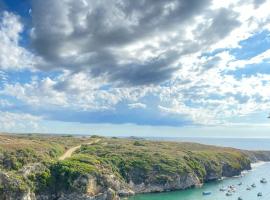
[[258, 164], [253, 167]]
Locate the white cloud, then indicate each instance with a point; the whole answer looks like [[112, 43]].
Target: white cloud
[[118, 53], [18, 122], [5, 103], [12, 55], [74, 91], [136, 105]]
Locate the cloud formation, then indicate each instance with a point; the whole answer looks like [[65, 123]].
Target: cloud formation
[[12, 55], [169, 62], [122, 40]]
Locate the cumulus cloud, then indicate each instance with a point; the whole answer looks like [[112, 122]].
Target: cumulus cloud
[[12, 55], [18, 122], [97, 37], [174, 56], [75, 91], [136, 105]]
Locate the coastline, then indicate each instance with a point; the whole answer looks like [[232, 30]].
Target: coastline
[[258, 164], [249, 178], [118, 167]]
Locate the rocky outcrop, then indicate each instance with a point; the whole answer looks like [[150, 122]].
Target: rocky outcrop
[[110, 186], [177, 182]]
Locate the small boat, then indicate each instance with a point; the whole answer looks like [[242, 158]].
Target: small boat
[[206, 193], [239, 198], [248, 188], [231, 190], [240, 183], [253, 185], [259, 194], [229, 194], [263, 180], [223, 189]]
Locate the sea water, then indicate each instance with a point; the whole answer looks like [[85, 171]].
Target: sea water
[[253, 176], [248, 178]]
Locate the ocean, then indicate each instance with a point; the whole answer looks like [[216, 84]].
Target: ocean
[[248, 178]]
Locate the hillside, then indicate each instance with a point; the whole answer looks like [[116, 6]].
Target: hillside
[[106, 168]]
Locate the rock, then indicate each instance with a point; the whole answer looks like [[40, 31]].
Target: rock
[[178, 182]]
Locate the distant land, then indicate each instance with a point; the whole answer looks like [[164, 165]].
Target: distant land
[[39, 167]]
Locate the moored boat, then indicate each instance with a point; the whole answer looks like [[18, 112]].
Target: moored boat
[[223, 189], [229, 194], [206, 193], [263, 180]]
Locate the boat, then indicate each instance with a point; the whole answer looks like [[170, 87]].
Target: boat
[[239, 198], [229, 194], [259, 194], [231, 190], [240, 183], [248, 188], [206, 193], [253, 185], [223, 189], [263, 180]]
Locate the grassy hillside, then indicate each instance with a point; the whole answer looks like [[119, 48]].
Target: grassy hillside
[[19, 150], [138, 160], [110, 165]]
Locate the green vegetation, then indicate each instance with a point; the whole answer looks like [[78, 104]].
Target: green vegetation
[[31, 161], [157, 162]]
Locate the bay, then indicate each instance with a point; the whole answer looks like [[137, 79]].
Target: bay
[[248, 178]]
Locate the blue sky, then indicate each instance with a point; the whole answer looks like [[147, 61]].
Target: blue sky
[[146, 68]]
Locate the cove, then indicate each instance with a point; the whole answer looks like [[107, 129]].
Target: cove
[[248, 178]]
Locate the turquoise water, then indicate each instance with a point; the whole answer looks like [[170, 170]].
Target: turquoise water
[[249, 178]]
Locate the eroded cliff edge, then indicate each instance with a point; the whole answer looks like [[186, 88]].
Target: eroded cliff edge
[[116, 167]]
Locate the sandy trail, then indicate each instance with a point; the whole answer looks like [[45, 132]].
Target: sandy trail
[[70, 151]]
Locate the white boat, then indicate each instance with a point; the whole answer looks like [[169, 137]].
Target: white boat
[[223, 189], [259, 194], [248, 188], [253, 185], [229, 194], [263, 180], [240, 198], [206, 193]]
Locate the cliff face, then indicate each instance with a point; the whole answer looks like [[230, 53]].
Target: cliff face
[[116, 167], [177, 182]]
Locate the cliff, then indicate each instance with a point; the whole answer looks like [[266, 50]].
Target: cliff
[[112, 167]]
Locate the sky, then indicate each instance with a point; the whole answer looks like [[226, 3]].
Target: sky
[[193, 68]]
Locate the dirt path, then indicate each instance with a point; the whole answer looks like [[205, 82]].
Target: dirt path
[[70, 151]]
